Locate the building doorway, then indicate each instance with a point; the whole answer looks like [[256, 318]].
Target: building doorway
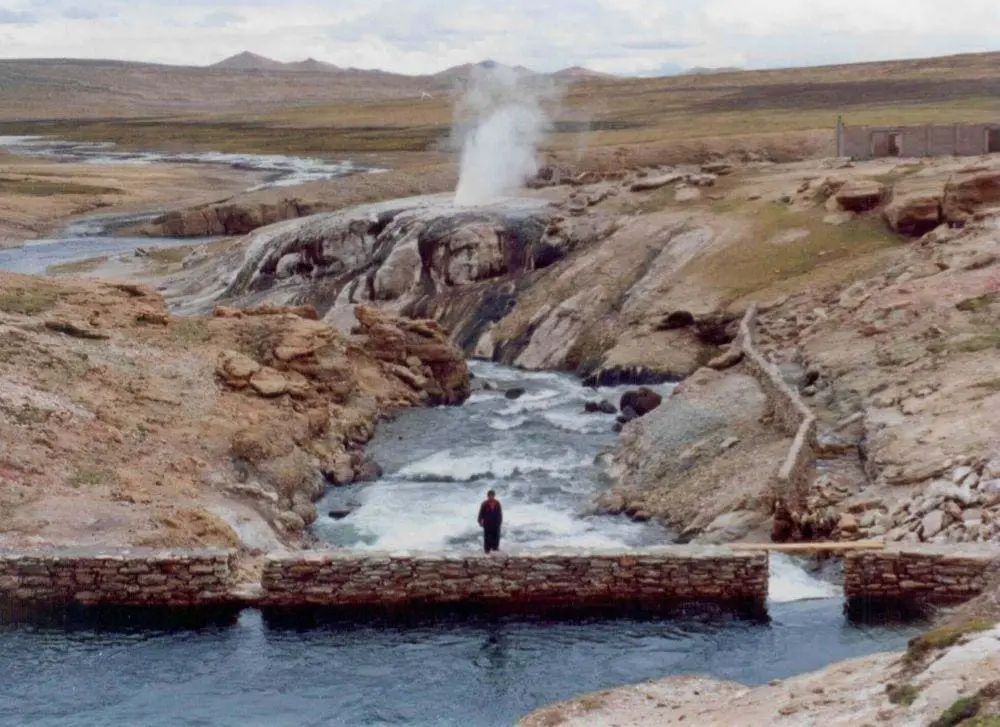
[[993, 141], [887, 143]]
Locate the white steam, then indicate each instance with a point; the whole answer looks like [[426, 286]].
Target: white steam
[[501, 122]]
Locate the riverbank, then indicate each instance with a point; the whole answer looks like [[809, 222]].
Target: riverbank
[[948, 676]]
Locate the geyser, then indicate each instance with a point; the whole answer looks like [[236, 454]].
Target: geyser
[[501, 122]]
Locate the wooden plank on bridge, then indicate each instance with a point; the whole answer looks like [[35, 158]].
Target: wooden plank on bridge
[[830, 547]]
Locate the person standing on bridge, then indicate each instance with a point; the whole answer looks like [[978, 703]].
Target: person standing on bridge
[[490, 519]]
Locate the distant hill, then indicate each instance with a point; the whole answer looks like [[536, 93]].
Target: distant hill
[[311, 65], [466, 70], [579, 73], [702, 71], [247, 61]]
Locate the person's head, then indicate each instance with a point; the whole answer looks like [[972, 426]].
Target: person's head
[[491, 495]]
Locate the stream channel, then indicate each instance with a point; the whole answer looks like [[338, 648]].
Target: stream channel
[[538, 452]]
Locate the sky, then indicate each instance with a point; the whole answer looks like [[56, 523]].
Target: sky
[[628, 37]]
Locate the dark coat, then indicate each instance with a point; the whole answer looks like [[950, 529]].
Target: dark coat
[[490, 518]]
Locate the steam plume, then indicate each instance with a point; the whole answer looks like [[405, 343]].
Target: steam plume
[[501, 122]]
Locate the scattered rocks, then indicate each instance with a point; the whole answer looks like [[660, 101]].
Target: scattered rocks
[[600, 407]]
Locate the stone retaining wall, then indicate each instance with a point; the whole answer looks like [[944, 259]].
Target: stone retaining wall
[[538, 579], [789, 411], [936, 574], [134, 576]]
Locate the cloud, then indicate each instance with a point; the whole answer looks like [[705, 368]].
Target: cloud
[[16, 17], [220, 19], [77, 12], [425, 36]]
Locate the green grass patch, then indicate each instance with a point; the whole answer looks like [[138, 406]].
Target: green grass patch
[[977, 342], [943, 637], [904, 695], [983, 721], [979, 303], [28, 301], [87, 477], [45, 188], [77, 266], [963, 709], [168, 255], [763, 261]]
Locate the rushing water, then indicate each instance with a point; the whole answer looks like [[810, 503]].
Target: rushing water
[[537, 452]]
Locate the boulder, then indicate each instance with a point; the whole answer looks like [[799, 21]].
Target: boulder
[[932, 524], [860, 196], [369, 471], [641, 401], [600, 407], [914, 215], [269, 383], [339, 514], [650, 183], [515, 393]]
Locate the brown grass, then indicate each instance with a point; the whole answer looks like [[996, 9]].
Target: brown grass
[[28, 301], [43, 188]]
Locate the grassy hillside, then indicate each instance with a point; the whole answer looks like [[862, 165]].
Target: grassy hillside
[[791, 112]]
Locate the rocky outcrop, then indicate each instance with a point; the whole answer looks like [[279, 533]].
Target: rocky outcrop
[[860, 196], [970, 194], [691, 460], [914, 214], [182, 432], [227, 218]]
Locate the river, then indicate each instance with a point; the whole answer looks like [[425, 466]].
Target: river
[[538, 451]]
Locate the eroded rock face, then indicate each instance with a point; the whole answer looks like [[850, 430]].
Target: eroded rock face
[[226, 219], [969, 194], [914, 215], [860, 196]]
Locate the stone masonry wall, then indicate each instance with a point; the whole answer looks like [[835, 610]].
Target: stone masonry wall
[[651, 575], [859, 142], [135, 576], [939, 574], [789, 410]]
